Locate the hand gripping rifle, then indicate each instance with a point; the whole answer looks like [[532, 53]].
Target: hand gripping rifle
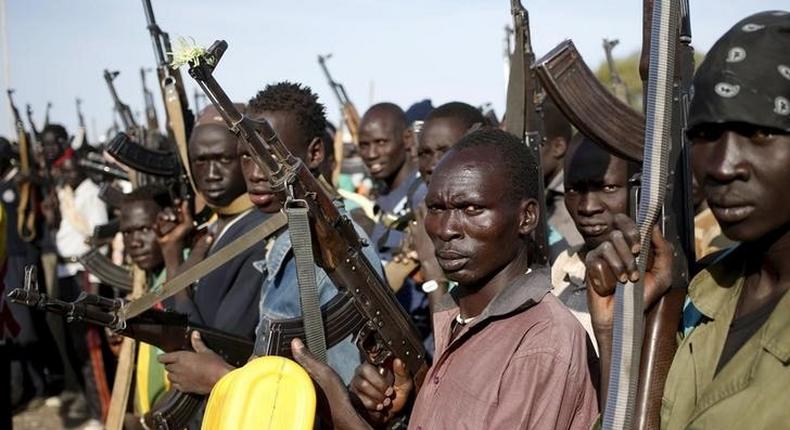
[[386, 331], [168, 331], [523, 117], [28, 198], [677, 213]]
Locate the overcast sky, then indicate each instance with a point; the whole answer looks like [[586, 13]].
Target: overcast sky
[[400, 51]]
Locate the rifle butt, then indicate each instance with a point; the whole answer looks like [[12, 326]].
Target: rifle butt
[[658, 350]]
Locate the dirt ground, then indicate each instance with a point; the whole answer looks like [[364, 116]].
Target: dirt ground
[[37, 416]]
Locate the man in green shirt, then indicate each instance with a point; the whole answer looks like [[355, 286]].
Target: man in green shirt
[[732, 366]]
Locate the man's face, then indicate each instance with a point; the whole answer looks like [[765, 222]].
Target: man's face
[[472, 219], [437, 136], [215, 164], [382, 146], [596, 189], [71, 173], [258, 186], [744, 173], [137, 222], [52, 146]]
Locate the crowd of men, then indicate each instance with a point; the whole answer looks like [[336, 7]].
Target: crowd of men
[[511, 343]]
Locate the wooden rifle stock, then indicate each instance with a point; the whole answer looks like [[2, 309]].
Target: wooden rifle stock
[[28, 198]]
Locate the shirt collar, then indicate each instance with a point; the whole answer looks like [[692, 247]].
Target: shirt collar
[[524, 292], [777, 331], [713, 287]]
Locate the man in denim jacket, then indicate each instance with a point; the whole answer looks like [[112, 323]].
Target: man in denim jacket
[[299, 120]]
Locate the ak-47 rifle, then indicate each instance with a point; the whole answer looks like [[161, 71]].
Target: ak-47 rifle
[[179, 118], [350, 114], [618, 86], [127, 118], [34, 133], [591, 108], [103, 169], [677, 214], [348, 111], [386, 331], [169, 331], [523, 117], [28, 198], [151, 118], [103, 268]]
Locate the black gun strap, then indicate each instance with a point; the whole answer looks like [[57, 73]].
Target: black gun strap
[[255, 236], [302, 245]]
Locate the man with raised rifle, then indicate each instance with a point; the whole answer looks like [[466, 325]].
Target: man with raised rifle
[[508, 353], [299, 120], [225, 299], [731, 366]]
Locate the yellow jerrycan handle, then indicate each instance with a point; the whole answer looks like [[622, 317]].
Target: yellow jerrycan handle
[[268, 393]]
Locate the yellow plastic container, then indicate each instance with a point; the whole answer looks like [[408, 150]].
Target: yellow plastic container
[[268, 393]]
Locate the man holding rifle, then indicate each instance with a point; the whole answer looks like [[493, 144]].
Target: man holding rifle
[[730, 369], [534, 372]]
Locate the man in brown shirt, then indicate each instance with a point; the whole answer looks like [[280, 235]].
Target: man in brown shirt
[[508, 354]]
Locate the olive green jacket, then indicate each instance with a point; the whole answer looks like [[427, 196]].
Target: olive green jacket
[[752, 391]]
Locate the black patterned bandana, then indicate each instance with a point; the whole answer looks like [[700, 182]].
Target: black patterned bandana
[[746, 75]]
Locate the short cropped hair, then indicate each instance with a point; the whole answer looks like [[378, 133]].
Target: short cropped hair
[[150, 192], [295, 98], [56, 129], [467, 114], [516, 160]]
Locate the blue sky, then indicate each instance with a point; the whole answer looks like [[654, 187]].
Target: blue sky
[[400, 51]]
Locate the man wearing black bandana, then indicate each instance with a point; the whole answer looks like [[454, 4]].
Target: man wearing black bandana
[[732, 366]]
